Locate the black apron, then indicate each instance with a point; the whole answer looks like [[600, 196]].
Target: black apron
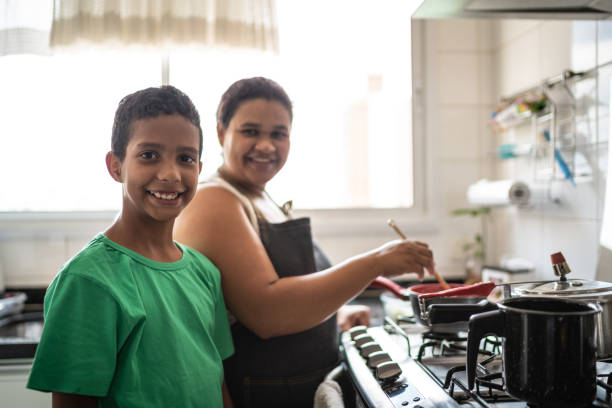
[[283, 371]]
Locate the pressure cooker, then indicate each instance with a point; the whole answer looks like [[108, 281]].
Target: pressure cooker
[[576, 289]]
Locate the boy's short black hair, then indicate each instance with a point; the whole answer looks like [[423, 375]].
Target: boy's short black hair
[[247, 89], [150, 103]]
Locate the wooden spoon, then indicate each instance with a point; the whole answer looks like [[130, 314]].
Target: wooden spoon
[[392, 224]]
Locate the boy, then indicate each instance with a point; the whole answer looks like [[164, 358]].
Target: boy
[[135, 319]]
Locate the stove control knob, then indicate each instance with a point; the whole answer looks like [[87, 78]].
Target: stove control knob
[[388, 371], [362, 339], [369, 348], [377, 357], [356, 331]]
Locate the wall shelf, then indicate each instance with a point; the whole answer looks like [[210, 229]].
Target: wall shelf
[[550, 109]]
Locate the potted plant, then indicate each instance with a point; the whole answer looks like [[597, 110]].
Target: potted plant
[[475, 249]]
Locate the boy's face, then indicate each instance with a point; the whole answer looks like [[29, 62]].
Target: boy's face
[[161, 167]]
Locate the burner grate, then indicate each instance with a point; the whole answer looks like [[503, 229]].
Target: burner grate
[[607, 386], [441, 356]]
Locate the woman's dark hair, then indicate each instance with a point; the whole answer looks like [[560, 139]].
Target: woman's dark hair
[[146, 104], [247, 89]]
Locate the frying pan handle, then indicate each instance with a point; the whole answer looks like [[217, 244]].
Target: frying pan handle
[[454, 312], [481, 324], [386, 283]]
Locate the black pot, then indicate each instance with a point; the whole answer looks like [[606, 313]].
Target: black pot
[[548, 349]]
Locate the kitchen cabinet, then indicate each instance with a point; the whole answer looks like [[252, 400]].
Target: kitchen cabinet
[[13, 378]]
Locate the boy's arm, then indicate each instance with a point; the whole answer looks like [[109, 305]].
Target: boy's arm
[[63, 400], [227, 400]]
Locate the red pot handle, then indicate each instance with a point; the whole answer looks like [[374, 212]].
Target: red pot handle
[[477, 289], [386, 283]]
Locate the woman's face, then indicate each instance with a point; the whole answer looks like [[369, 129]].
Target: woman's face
[[256, 142]]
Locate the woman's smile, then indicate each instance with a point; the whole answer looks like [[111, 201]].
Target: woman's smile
[[259, 163]]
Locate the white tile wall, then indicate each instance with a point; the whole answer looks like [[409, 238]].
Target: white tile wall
[[458, 35], [509, 31], [459, 132], [458, 78], [553, 52], [527, 53], [518, 63], [517, 55], [461, 75]]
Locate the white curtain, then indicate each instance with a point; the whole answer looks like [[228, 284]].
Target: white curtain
[[24, 26], [233, 23]]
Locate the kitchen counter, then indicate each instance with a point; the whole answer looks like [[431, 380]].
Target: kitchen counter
[[21, 326]]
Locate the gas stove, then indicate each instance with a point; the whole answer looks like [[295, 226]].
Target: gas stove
[[398, 365]]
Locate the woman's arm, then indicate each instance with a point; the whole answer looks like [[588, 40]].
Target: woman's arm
[[215, 223], [63, 400]]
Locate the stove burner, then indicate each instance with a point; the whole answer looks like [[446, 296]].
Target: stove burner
[[441, 363], [607, 386], [442, 344]]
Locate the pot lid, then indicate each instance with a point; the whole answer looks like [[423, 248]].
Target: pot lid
[[568, 288]]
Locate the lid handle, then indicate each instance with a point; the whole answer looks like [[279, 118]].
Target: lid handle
[[560, 267]]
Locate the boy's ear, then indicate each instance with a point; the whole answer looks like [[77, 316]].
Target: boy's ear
[[113, 165]]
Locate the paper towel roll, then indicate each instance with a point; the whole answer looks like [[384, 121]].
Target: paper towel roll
[[506, 192]]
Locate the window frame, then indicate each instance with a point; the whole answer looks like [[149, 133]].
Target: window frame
[[327, 222]]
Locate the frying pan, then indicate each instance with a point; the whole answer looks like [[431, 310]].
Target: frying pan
[[442, 311]]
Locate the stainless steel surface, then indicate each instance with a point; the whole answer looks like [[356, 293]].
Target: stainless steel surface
[[424, 304], [12, 303], [569, 287], [417, 385], [427, 372], [20, 334], [516, 9], [561, 269]]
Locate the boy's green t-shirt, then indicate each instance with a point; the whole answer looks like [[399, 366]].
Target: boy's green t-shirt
[[135, 332]]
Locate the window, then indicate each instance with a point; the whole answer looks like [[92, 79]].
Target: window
[[345, 64]]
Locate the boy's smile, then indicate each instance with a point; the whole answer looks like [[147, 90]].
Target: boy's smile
[[161, 167]]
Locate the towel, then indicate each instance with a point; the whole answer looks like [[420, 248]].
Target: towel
[[329, 393]]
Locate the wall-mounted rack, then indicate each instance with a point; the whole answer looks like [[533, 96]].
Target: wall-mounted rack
[[551, 109]]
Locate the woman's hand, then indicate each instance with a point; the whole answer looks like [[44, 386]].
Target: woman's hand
[[404, 256], [353, 315]]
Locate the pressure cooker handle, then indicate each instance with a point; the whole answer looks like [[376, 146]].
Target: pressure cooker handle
[[480, 325]]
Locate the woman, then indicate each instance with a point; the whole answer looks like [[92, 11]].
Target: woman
[[278, 284]]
